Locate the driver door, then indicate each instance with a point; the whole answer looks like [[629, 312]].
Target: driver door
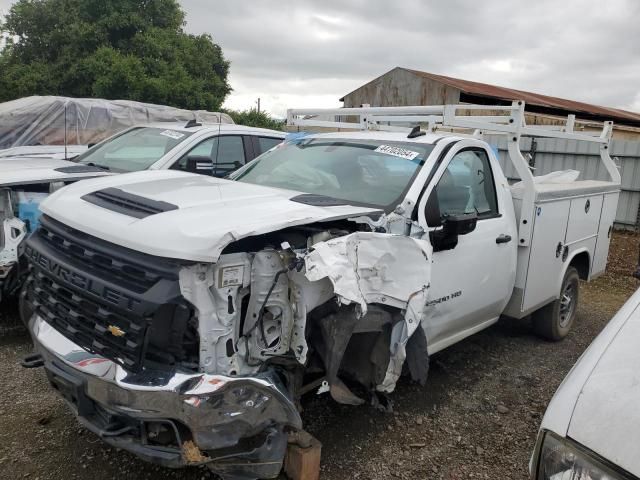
[[471, 282]]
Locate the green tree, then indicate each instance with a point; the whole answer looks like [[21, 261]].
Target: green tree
[[254, 118], [115, 49]]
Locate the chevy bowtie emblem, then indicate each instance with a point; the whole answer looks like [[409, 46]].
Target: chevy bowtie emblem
[[115, 331]]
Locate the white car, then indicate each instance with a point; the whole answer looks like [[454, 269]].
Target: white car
[[591, 429], [213, 149]]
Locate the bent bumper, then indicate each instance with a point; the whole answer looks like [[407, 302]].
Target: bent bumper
[[235, 425]]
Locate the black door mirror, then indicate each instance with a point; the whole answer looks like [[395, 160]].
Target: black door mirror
[[452, 227], [432, 210], [461, 224], [199, 164]]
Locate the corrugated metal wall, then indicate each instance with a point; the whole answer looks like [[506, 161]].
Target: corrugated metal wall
[[553, 154]]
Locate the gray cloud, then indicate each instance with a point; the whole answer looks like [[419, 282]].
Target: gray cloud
[[584, 50], [306, 53]]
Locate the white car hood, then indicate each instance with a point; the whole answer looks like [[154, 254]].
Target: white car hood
[[606, 418], [597, 403], [58, 152], [24, 171], [211, 213]]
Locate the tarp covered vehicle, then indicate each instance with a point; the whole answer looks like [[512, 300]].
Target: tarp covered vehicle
[[43, 126]]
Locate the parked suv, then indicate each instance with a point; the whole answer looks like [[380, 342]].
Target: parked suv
[[213, 149]]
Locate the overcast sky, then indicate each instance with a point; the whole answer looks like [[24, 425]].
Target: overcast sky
[[303, 53]]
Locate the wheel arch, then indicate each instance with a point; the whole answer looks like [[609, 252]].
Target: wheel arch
[[581, 261]]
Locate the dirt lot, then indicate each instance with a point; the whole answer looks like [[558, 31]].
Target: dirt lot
[[476, 418]]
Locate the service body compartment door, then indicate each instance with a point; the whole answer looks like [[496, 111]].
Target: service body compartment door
[[545, 253], [607, 217], [584, 218]]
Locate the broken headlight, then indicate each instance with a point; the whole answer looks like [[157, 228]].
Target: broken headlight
[[562, 459]]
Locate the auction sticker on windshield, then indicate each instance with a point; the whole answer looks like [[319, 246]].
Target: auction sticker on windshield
[[397, 152], [172, 134]]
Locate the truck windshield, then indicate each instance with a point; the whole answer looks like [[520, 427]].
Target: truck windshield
[[134, 150], [366, 172]]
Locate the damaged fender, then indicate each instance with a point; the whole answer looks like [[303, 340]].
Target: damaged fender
[[366, 268]]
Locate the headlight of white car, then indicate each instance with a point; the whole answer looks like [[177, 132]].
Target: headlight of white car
[[562, 459]]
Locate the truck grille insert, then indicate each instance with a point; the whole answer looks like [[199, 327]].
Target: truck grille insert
[[89, 324], [123, 305], [114, 263]]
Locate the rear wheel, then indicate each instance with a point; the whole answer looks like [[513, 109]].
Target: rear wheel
[[554, 321]]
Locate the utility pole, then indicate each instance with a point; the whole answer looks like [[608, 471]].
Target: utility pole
[[258, 104]]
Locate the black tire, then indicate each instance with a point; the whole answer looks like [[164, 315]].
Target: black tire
[[554, 321]]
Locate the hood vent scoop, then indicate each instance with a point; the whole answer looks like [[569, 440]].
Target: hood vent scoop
[[126, 203], [79, 169]]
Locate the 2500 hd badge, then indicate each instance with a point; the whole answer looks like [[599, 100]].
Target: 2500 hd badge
[[446, 298]]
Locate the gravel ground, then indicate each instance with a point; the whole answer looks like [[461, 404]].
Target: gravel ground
[[476, 418]]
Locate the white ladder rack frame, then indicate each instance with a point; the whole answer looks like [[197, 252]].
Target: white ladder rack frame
[[512, 124]]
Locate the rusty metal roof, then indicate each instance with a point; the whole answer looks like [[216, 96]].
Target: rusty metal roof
[[554, 105]]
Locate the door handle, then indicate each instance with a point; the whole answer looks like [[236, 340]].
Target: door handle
[[503, 238]]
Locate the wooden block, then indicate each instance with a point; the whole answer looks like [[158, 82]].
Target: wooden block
[[303, 463]]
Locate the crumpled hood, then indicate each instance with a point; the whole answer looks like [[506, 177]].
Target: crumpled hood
[[606, 417], [24, 171], [210, 213]]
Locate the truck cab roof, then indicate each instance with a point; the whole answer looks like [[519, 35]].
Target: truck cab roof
[[429, 138], [211, 127]]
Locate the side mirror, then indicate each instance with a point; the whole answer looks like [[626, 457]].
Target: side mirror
[[199, 164], [452, 227], [432, 210], [461, 224]]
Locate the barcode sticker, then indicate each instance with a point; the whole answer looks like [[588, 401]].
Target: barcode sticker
[[397, 152], [172, 134], [230, 276]]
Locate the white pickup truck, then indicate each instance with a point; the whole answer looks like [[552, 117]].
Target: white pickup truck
[[210, 149], [182, 316]]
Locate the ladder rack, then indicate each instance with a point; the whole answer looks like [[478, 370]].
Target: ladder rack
[[510, 121]]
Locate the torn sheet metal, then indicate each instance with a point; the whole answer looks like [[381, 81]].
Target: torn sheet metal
[[369, 267], [378, 268]]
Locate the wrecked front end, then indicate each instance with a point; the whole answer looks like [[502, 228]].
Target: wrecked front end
[[12, 233], [172, 417], [190, 363], [24, 184]]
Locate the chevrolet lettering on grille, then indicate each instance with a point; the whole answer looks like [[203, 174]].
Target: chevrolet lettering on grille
[[65, 274]]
